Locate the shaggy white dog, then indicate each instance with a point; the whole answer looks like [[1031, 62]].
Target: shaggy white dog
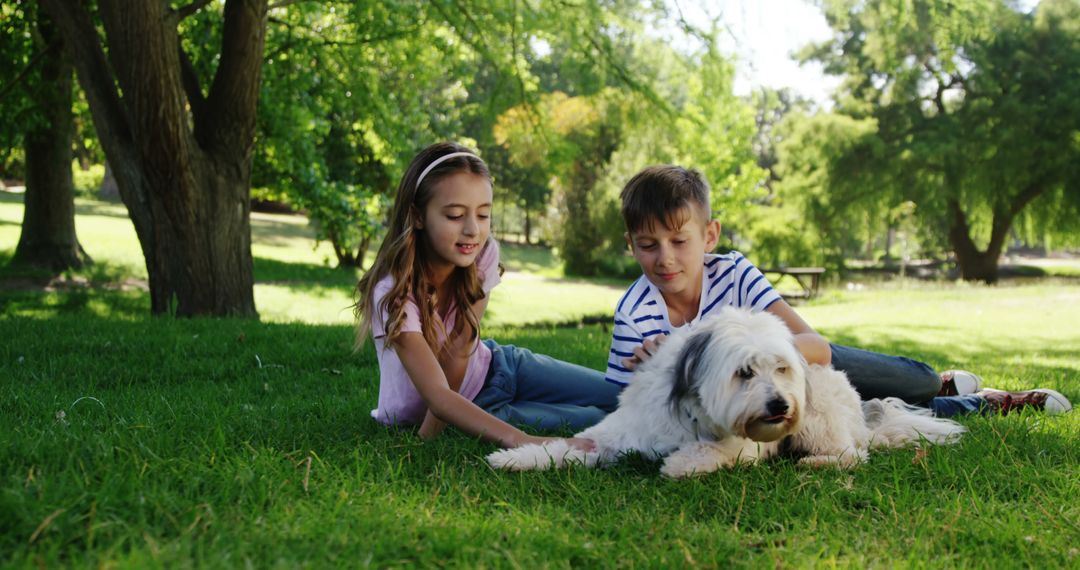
[[734, 389]]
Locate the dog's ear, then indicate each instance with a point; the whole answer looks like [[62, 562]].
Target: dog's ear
[[687, 367], [809, 386]]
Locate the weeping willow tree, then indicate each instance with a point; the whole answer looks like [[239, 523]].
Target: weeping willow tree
[[974, 109]]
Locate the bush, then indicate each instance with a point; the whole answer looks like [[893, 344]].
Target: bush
[[87, 182], [778, 236]]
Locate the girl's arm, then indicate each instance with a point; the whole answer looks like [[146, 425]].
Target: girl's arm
[[453, 408], [454, 363], [438, 382], [814, 348], [445, 403]]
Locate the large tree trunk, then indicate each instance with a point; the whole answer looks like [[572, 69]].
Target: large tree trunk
[[182, 160], [976, 265], [48, 237]]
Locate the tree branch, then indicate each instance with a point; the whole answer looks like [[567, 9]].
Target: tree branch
[[29, 66], [626, 77], [229, 117], [1025, 197], [312, 39], [283, 3], [479, 46], [111, 121], [94, 73], [181, 13]]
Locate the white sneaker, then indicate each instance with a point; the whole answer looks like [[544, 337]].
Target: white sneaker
[[1050, 401], [959, 382]]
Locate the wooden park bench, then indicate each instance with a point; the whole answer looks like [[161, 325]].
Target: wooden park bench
[[806, 277]]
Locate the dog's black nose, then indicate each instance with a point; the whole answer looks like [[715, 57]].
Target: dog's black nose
[[777, 407]]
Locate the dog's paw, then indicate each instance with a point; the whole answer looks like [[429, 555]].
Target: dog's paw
[[693, 459], [847, 460], [509, 460], [553, 454], [679, 468]]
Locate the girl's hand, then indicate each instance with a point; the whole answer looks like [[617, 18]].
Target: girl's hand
[[644, 352], [431, 427]]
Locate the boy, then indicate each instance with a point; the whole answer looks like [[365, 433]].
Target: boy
[[669, 229]]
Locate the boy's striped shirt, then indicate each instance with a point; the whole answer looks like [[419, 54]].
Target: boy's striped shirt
[[729, 279]]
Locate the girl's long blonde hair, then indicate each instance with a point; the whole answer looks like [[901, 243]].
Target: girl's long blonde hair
[[405, 256]]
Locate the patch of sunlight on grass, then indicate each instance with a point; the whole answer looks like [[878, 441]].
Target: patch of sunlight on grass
[[107, 234], [537, 260], [523, 298], [289, 238], [11, 215], [520, 299], [310, 303], [1014, 336]]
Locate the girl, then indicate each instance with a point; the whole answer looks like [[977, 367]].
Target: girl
[[422, 302]]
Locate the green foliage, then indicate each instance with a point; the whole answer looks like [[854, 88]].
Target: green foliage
[[590, 131], [591, 145], [87, 182], [817, 155], [780, 235], [352, 90], [713, 130], [21, 52], [974, 108], [20, 49], [340, 109]]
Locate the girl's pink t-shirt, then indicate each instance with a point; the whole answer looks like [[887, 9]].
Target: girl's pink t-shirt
[[399, 402]]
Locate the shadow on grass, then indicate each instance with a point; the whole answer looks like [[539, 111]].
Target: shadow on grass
[[894, 347], [102, 277], [303, 276], [267, 230], [105, 275], [83, 207], [123, 305]]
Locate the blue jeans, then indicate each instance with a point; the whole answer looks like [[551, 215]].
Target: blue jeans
[[544, 393], [880, 376]]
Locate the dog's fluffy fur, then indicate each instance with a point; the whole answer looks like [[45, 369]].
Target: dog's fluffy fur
[[735, 389]]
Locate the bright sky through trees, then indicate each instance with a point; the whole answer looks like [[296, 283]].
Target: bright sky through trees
[[765, 34]]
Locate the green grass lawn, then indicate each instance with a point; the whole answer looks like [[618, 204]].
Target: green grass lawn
[[130, 441]]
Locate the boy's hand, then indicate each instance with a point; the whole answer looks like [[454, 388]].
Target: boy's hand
[[644, 352]]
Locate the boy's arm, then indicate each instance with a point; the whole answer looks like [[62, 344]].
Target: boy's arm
[[814, 348], [626, 341]]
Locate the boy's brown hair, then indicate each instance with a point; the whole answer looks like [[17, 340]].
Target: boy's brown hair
[[664, 193]]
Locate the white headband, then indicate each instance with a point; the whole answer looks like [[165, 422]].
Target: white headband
[[439, 161]]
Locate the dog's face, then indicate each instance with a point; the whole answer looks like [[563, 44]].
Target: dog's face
[[744, 374]]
